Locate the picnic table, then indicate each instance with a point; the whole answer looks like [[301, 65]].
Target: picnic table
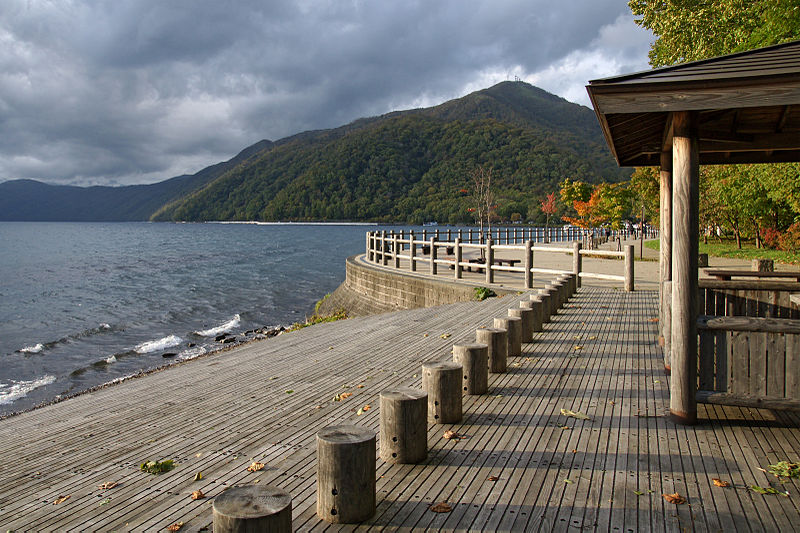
[[726, 275]]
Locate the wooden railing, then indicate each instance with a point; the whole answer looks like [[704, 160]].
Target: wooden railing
[[389, 248], [749, 344]]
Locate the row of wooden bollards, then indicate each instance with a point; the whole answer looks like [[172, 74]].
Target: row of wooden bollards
[[346, 454]]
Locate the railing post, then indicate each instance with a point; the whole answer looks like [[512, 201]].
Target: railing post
[[489, 261], [433, 255], [396, 250], [577, 262], [629, 267], [449, 235], [368, 250], [384, 255], [458, 257], [412, 251], [528, 262]]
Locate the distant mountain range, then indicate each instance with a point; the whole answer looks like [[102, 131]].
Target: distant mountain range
[[406, 166]]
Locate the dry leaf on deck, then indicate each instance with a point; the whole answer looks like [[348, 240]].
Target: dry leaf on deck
[[255, 467], [574, 414], [198, 495], [175, 527], [198, 476], [445, 335], [360, 387], [441, 507], [675, 498], [360, 412], [108, 485], [578, 347], [345, 395], [451, 435], [366, 407], [61, 499], [720, 483], [653, 319], [493, 478]]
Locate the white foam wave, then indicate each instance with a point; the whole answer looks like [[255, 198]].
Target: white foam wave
[[105, 326], [36, 348], [158, 344], [224, 328], [191, 353], [13, 391], [111, 360]]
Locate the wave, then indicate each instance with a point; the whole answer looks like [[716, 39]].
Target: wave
[[13, 391], [158, 344], [224, 328], [191, 353], [32, 349]]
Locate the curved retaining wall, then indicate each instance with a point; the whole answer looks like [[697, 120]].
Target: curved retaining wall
[[369, 289]]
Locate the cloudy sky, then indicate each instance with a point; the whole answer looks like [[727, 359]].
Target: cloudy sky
[[97, 92]]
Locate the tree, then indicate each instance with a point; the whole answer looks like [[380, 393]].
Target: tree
[[549, 207], [483, 205]]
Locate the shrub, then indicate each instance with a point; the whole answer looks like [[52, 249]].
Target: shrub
[[481, 293], [771, 238], [790, 241]]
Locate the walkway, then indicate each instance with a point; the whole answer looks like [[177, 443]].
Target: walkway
[[522, 466]]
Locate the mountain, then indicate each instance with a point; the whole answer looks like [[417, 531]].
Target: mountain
[[405, 166], [33, 200]]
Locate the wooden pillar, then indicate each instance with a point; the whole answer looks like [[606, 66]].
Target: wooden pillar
[[474, 359], [577, 261], [345, 474], [544, 297], [396, 250], [534, 304], [513, 327], [528, 264], [526, 315], [665, 256], [412, 251], [497, 342], [404, 425], [685, 212], [458, 255], [489, 260], [629, 267], [442, 382], [432, 244], [253, 508], [384, 255]]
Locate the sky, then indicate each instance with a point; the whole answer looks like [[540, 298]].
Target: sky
[[97, 92]]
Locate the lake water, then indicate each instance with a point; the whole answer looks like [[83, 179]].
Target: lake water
[[84, 304]]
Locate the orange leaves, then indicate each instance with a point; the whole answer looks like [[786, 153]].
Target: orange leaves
[[675, 498], [255, 467], [441, 507], [451, 435], [61, 499], [492, 478], [108, 485], [198, 495], [720, 483], [342, 396], [175, 527]]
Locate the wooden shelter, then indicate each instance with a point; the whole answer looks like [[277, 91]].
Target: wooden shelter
[[739, 108]]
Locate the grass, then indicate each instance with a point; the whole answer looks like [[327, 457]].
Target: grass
[[318, 319], [727, 248]]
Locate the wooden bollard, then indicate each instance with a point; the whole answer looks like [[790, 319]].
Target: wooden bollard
[[497, 341], [526, 316], [442, 382], [253, 508], [345, 474], [514, 338], [561, 287], [474, 361], [547, 309], [404, 425], [535, 305], [553, 292]]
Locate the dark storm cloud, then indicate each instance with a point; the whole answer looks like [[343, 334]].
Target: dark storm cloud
[[138, 91]]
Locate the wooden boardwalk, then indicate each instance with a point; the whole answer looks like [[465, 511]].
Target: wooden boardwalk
[[522, 466]]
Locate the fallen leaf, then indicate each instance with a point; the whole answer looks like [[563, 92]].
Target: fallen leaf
[[106, 501], [108, 485], [255, 467], [273, 377], [367, 407], [157, 467], [345, 395], [767, 490], [578, 347], [611, 402], [198, 476], [785, 469], [198, 495], [199, 454], [493, 478], [441, 507], [451, 435], [61, 499], [360, 387], [175, 527], [657, 381], [360, 412], [256, 481], [675, 498], [574, 414], [445, 335], [290, 391], [425, 335], [720, 483], [653, 319], [593, 337], [638, 493], [567, 481]]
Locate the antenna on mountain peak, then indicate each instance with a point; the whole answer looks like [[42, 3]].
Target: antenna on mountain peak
[[517, 78]]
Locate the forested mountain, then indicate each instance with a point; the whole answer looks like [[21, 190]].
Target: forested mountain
[[33, 200], [406, 166], [414, 166]]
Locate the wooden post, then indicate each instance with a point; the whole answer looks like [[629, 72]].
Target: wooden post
[[404, 425], [665, 256], [449, 235], [685, 202], [497, 341], [412, 251], [474, 360], [629, 267], [552, 291], [528, 264], [577, 261], [433, 256], [534, 304], [458, 254], [525, 314], [547, 307], [345, 474], [470, 236], [762, 265], [369, 246], [513, 326], [489, 260], [396, 250], [252, 508], [442, 382]]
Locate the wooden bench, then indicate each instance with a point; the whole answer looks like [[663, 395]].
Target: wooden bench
[[726, 275]]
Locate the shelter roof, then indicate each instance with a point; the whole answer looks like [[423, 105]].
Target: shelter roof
[[747, 107]]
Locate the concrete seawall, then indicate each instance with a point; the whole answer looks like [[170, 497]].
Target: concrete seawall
[[369, 289]]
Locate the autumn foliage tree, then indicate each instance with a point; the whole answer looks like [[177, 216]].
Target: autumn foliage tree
[[549, 208]]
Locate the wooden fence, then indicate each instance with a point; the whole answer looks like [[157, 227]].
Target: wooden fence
[[749, 344], [389, 248]]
